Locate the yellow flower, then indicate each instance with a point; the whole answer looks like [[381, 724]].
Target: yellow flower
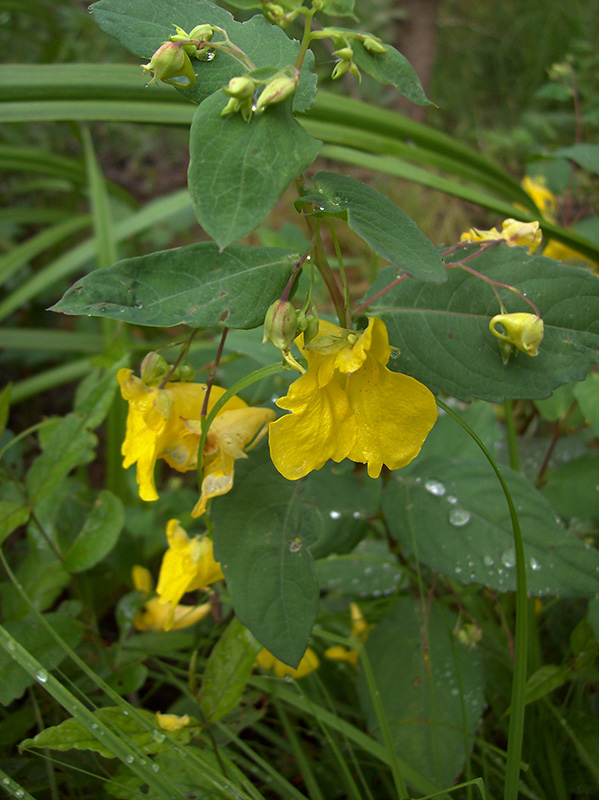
[[188, 564], [349, 405], [562, 252], [543, 199], [359, 631], [513, 232], [172, 722], [229, 433], [154, 615], [308, 664], [165, 423], [524, 331]]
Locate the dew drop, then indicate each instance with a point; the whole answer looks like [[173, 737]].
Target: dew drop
[[334, 514], [129, 759], [295, 544], [158, 736], [10, 646], [19, 793], [138, 305], [458, 517], [508, 558], [451, 499], [356, 515], [395, 354], [435, 487], [488, 561], [209, 55], [41, 676], [534, 564], [155, 767], [368, 571]]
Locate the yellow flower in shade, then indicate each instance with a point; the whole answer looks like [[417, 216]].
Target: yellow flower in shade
[[543, 199], [229, 434], [359, 632], [349, 405], [172, 722], [513, 232], [188, 564], [165, 423], [308, 664], [154, 616], [561, 252], [524, 331]]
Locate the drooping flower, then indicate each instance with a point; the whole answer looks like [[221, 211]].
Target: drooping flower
[[308, 664], [230, 432], [524, 331], [154, 616], [542, 197], [359, 631], [349, 405], [165, 423], [188, 564], [513, 232]]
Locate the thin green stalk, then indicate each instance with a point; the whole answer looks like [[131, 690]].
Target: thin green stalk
[[306, 38], [248, 380], [398, 778], [303, 762], [512, 439], [516, 724], [344, 283]]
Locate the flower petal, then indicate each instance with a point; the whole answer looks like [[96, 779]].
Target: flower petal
[[395, 414], [321, 426]]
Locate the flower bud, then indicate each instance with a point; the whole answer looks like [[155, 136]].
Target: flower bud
[[202, 32], [308, 325], [280, 324], [153, 369], [353, 69], [168, 62], [374, 45], [276, 90], [521, 233], [340, 69], [241, 87], [344, 53], [524, 331], [184, 373]]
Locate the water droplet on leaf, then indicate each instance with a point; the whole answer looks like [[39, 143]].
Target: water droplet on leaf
[[435, 487]]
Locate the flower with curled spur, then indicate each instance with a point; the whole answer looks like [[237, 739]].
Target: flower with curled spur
[[513, 232], [155, 615], [165, 423], [308, 664], [349, 405]]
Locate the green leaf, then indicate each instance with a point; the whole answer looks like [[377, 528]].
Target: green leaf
[[262, 535], [143, 25], [30, 633], [194, 285], [382, 225], [4, 407], [339, 8], [431, 689], [72, 735], [587, 394], [572, 489], [545, 680], [227, 671], [585, 155], [98, 535], [369, 571], [453, 517], [96, 393], [69, 445], [391, 67], [345, 500], [12, 515], [128, 679], [237, 170], [443, 331]]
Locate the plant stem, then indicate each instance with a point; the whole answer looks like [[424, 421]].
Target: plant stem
[[213, 369], [516, 724], [306, 38]]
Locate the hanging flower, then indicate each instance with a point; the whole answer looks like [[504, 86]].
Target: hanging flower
[[229, 434], [188, 564], [522, 330], [172, 722], [359, 631], [308, 664], [349, 405], [165, 423], [513, 232], [543, 199], [154, 616]]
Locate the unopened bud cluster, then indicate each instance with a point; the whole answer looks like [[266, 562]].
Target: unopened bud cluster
[[171, 63], [242, 93], [155, 368], [344, 49], [283, 323]]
